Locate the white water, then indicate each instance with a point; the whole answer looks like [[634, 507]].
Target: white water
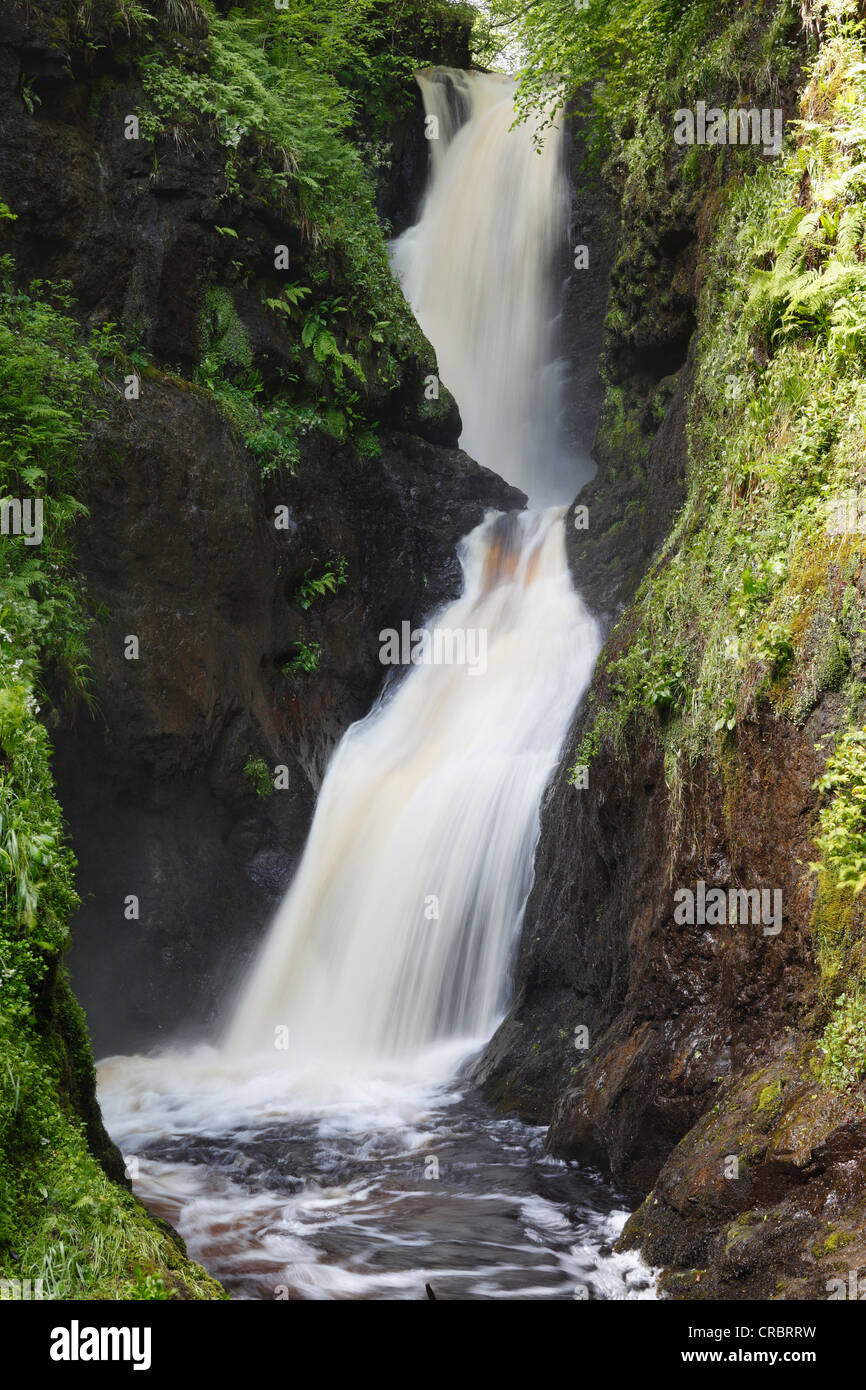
[[322, 1188], [403, 915], [480, 271], [306, 1167]]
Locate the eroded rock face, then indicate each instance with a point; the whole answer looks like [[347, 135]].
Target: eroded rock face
[[699, 1001], [701, 1039], [137, 228], [601, 949], [765, 1197], [698, 1084]]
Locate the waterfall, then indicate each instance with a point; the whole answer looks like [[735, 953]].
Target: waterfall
[[481, 269], [398, 929]]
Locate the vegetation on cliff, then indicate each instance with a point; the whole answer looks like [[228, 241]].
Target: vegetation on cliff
[[64, 1220], [297, 102], [754, 603], [751, 613], [737, 305]]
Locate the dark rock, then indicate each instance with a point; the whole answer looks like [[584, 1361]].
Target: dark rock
[[666, 1006]]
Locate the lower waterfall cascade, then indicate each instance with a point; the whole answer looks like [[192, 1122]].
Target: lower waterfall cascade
[[430, 805]]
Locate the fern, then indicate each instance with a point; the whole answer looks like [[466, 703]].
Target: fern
[[793, 298], [852, 227]]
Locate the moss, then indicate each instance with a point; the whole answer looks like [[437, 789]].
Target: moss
[[259, 777], [837, 1240], [621, 436], [225, 344], [837, 932], [770, 1098], [741, 1229], [752, 603], [843, 1044]]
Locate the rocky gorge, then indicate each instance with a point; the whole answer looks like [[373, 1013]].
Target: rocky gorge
[[721, 1083]]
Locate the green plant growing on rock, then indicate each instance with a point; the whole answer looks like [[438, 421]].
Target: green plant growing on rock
[[841, 839], [665, 686], [151, 1287], [313, 586], [844, 1042], [726, 721], [290, 302], [744, 595], [269, 94], [62, 1218], [306, 658], [259, 776]]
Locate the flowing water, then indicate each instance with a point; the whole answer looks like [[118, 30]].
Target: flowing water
[[361, 1185], [333, 1145], [481, 270], [402, 917]]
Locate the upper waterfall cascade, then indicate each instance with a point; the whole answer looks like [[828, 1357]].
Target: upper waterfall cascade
[[482, 270]]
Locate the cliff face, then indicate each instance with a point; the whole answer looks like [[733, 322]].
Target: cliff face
[[719, 1074], [714, 1067], [180, 549]]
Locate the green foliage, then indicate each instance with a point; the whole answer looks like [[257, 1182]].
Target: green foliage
[[147, 1286], [61, 1218], [332, 578], [844, 1042], [664, 687], [47, 383], [290, 301], [586, 752], [270, 428], [281, 93], [319, 338], [306, 658], [399, 37], [259, 776], [842, 836], [737, 610], [225, 344], [633, 56], [272, 96], [817, 283], [753, 605]]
